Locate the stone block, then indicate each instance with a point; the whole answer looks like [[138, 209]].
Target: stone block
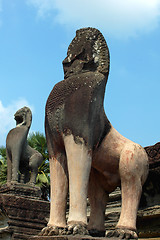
[[23, 212], [76, 237]]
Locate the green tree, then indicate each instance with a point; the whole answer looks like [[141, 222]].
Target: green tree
[[3, 166], [38, 141]]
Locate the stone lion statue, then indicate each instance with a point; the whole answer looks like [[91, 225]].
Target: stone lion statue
[[22, 160], [88, 157]]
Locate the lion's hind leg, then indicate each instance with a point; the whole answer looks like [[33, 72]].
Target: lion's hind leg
[[98, 198], [34, 162], [133, 169]]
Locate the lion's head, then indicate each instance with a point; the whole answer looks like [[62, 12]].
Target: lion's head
[[23, 117], [88, 51]]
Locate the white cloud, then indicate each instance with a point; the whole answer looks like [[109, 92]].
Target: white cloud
[[122, 18], [43, 6], [7, 121]]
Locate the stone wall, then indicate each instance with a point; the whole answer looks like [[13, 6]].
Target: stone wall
[[23, 212]]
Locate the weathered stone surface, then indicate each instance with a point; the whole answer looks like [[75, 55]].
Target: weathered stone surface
[[24, 215], [79, 238], [148, 220], [154, 155], [22, 190], [113, 210], [76, 237], [151, 189], [22, 160], [86, 152], [5, 233], [148, 217]]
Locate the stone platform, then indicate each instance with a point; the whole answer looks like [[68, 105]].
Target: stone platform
[[76, 237], [80, 238], [22, 212]]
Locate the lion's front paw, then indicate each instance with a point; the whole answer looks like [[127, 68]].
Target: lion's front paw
[[96, 233], [78, 228], [122, 234], [53, 231]]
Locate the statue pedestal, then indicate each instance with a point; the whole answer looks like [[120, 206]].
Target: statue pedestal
[[76, 237], [80, 238], [22, 211]]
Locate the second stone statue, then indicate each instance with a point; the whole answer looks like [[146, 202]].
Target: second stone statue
[[22, 160]]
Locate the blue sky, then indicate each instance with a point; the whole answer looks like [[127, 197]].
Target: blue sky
[[34, 37]]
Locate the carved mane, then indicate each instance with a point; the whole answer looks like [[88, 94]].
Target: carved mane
[[90, 48]]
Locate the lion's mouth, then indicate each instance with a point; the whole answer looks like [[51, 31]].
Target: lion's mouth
[[19, 119]]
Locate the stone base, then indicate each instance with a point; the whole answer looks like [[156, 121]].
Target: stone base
[[22, 214], [76, 237], [148, 222], [80, 238], [20, 189], [5, 233], [148, 218]]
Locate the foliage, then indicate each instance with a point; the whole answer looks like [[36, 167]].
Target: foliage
[[3, 166], [38, 141]]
